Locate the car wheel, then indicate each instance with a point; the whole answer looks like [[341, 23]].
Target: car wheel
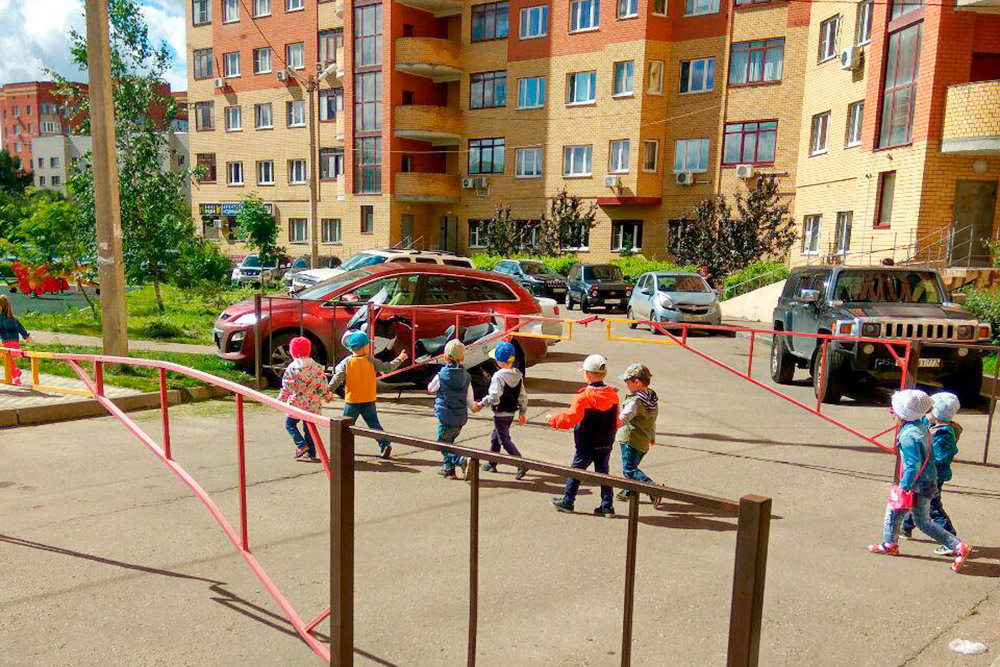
[[630, 315], [653, 317], [966, 382], [782, 361], [585, 305], [569, 301], [830, 387], [276, 361]]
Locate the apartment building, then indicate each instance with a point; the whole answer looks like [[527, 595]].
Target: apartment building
[[31, 109], [901, 133]]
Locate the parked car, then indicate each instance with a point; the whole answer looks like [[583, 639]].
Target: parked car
[[875, 302], [673, 297], [596, 286], [250, 271], [298, 265], [434, 285], [308, 278], [535, 276]]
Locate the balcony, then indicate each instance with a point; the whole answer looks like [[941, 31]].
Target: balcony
[[441, 126], [338, 8], [439, 8], [437, 59], [426, 187], [971, 121], [983, 6]]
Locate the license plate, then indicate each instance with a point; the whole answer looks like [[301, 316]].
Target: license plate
[[558, 290], [618, 301], [930, 363]]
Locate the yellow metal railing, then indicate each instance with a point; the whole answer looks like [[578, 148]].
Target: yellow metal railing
[[36, 385]]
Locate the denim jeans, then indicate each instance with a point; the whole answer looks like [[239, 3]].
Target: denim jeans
[[938, 515], [583, 459], [631, 457], [921, 514], [501, 436], [300, 440], [369, 413], [450, 434]]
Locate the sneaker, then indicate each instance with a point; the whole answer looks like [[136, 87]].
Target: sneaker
[[16, 382], [521, 472], [302, 454], [604, 510], [961, 555], [942, 550], [884, 548], [561, 505], [463, 463], [622, 495], [906, 534], [447, 474], [386, 452], [489, 467]]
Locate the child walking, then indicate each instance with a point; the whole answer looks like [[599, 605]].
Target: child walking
[[357, 373], [914, 450], [304, 386], [593, 416], [944, 441], [507, 396], [637, 423], [11, 333], [452, 389]]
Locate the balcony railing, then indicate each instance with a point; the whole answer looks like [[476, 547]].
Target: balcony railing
[[426, 187], [984, 6], [432, 57], [439, 8], [971, 121], [442, 126]]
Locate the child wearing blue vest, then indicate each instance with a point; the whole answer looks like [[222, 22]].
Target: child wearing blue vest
[[508, 397], [452, 389]]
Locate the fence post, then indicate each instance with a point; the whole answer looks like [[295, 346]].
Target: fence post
[[341, 542], [258, 363], [748, 581], [630, 551], [473, 472], [914, 364], [993, 408]]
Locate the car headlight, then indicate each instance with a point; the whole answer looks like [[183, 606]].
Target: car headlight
[[871, 329], [965, 332], [238, 336], [666, 302], [246, 318]]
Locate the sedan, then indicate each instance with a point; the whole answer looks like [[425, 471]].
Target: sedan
[[674, 297]]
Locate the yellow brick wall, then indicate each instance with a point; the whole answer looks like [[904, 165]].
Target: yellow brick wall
[[972, 110]]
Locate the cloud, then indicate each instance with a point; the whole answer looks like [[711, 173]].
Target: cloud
[[36, 38]]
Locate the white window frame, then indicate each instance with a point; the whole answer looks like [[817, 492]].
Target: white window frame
[[708, 65], [699, 7], [618, 233], [231, 64], [829, 34], [579, 21], [855, 123], [261, 8], [48, 127], [257, 109], [542, 13], [863, 25], [54, 162], [230, 11], [528, 162], [646, 152], [631, 8], [300, 225], [685, 149], [294, 169], [811, 227], [618, 156], [522, 87], [570, 159], [572, 86], [842, 232], [623, 72], [819, 137], [294, 5], [298, 61], [654, 83], [234, 174], [258, 61], [269, 164], [295, 113], [477, 233], [234, 119], [335, 225]]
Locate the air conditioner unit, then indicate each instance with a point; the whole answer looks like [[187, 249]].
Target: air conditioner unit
[[468, 183], [611, 181], [220, 82], [850, 58], [685, 178], [482, 182], [282, 75], [744, 171]]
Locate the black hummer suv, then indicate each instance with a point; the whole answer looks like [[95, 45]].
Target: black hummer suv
[[875, 302]]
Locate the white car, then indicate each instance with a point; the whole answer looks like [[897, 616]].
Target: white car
[[550, 308], [308, 278], [369, 257]]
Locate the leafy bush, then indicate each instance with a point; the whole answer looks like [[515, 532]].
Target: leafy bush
[[985, 306], [161, 328], [635, 265], [201, 262], [752, 277], [560, 265]]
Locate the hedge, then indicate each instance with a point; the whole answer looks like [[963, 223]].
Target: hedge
[[986, 307], [632, 267], [753, 277]]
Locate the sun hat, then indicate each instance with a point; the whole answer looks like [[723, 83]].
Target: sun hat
[[357, 340], [595, 363], [946, 406], [911, 404], [636, 372], [300, 346]]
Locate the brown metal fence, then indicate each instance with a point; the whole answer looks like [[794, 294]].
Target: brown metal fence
[[753, 526]]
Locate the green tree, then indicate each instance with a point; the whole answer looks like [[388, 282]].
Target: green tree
[[567, 224], [13, 178], [256, 228], [502, 236]]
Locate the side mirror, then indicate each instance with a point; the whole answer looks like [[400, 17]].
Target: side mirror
[[809, 296], [646, 291]]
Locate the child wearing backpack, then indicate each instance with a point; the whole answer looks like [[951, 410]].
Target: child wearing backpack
[[507, 396], [452, 389], [11, 333]]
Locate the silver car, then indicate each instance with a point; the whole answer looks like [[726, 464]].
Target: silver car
[[673, 297]]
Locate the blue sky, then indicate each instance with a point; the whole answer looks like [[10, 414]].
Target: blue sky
[[35, 37]]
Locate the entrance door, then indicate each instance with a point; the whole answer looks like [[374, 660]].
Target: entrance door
[[975, 202], [406, 230]]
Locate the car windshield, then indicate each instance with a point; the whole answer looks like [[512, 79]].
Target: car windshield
[[338, 282], [603, 272], [252, 261], [537, 269], [888, 287], [681, 284], [362, 259]]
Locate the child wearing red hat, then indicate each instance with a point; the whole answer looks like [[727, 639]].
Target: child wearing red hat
[[303, 386]]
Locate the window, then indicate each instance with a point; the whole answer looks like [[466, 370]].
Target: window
[[329, 42], [230, 11], [206, 164], [810, 234], [901, 7], [863, 27], [577, 238], [234, 119], [295, 113], [584, 15], [202, 63], [696, 7], [261, 60], [295, 55], [477, 233], [820, 132], [659, 7], [842, 234], [294, 5], [756, 62], [581, 87], [298, 230], [368, 35], [486, 156], [488, 90], [296, 172], [751, 142], [330, 228], [697, 76], [528, 163], [626, 234], [261, 8], [828, 31], [628, 9], [330, 102], [41, 163], [368, 101], [749, 2], [54, 162], [55, 180], [618, 156], [855, 117], [234, 173], [368, 165], [17, 146], [17, 112], [367, 219], [654, 80], [690, 155], [331, 162], [262, 116], [577, 160], [534, 22], [48, 127], [624, 77], [203, 113], [489, 21], [265, 172], [650, 154], [899, 96], [201, 12], [41, 180], [531, 92], [886, 194]]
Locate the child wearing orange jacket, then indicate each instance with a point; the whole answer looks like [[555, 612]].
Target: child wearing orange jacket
[[593, 416]]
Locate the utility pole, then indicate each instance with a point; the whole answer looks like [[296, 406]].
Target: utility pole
[[107, 207], [311, 85]]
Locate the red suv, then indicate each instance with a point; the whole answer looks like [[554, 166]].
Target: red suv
[[409, 304]]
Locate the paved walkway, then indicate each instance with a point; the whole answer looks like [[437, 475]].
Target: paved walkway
[[12, 398], [135, 345]]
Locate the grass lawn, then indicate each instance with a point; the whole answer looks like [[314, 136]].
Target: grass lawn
[[139, 377], [189, 317]]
